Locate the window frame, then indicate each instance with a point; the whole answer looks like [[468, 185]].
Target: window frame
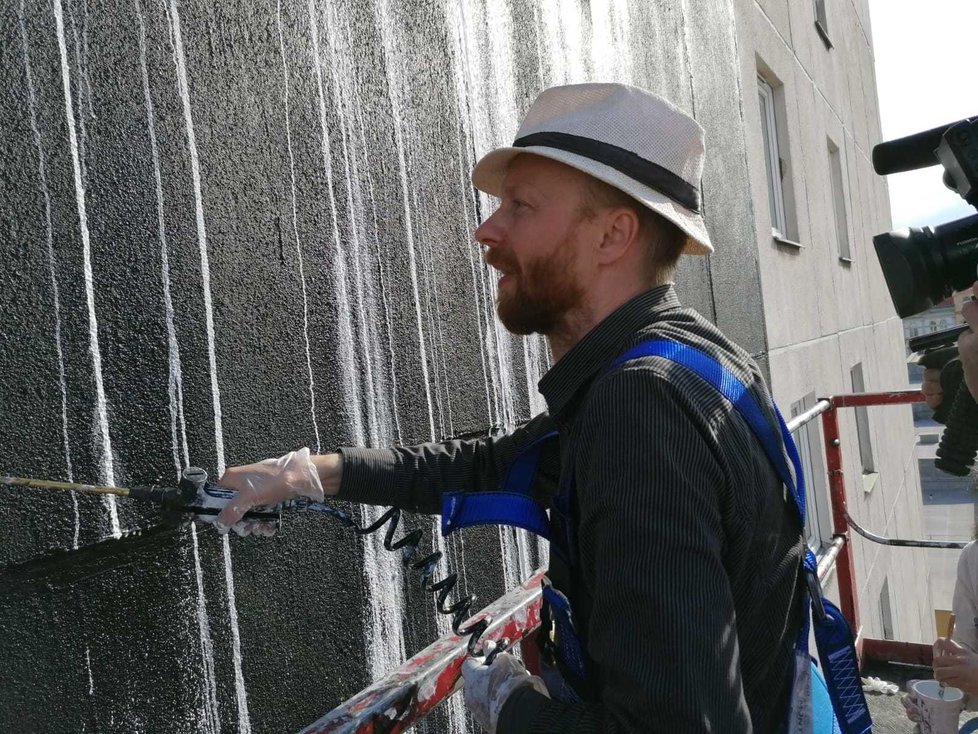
[[839, 209], [822, 22], [864, 433], [773, 160]]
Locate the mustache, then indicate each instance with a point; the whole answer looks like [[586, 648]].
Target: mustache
[[499, 261]]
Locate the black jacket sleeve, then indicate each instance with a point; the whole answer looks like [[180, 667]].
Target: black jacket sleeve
[[414, 477]]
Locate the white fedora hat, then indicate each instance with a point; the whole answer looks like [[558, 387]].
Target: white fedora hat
[[627, 137]]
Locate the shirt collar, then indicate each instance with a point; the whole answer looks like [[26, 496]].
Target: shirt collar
[[601, 345]]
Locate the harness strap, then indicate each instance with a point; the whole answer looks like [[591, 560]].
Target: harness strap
[[513, 505], [833, 637], [727, 384]]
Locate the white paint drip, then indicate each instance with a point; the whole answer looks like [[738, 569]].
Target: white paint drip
[[391, 360], [295, 230], [178, 430], [383, 574], [52, 263], [176, 39], [241, 693], [205, 271], [210, 715], [568, 39], [382, 18], [88, 668], [455, 711], [79, 96], [365, 312], [347, 363], [103, 440]]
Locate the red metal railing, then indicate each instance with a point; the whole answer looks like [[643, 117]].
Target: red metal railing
[[405, 696], [399, 700]]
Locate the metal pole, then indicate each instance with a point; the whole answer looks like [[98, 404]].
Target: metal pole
[[63, 486], [837, 491]]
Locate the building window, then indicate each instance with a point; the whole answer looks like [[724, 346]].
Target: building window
[[776, 165], [818, 517], [822, 22], [886, 611], [839, 208], [862, 422]]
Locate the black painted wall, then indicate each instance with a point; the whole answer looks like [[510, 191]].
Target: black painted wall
[[231, 229]]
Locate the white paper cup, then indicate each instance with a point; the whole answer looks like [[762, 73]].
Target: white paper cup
[[938, 715]]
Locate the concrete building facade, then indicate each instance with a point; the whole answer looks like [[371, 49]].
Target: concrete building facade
[[830, 325]]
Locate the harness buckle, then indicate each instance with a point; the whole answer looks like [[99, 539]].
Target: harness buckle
[[815, 592]]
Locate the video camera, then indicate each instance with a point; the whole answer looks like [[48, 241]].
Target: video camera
[[924, 266]]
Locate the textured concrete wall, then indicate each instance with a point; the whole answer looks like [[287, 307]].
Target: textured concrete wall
[[231, 229], [826, 315]]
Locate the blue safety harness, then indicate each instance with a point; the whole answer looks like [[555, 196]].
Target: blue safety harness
[[825, 700]]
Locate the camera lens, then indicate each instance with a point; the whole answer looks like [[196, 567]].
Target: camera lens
[[923, 266]]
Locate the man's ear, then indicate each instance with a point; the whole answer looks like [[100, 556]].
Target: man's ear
[[621, 229]]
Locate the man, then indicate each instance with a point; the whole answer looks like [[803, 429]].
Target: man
[[672, 537]]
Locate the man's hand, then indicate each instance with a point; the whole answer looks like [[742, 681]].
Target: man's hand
[[968, 345], [931, 388], [269, 482], [488, 686], [956, 666], [215, 497]]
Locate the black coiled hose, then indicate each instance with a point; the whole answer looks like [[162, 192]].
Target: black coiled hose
[[459, 610]]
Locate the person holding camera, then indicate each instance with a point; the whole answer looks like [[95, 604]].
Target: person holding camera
[[956, 658], [967, 350]]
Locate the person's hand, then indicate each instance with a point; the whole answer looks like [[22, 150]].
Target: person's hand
[[488, 686], [968, 345], [215, 498], [956, 666], [931, 388], [269, 482], [909, 702]]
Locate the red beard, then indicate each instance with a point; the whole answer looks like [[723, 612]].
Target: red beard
[[538, 295]]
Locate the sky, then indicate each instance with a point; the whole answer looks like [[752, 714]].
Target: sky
[[926, 76]]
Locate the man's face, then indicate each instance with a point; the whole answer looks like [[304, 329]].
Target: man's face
[[535, 240]]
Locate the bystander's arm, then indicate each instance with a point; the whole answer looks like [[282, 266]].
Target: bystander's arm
[[968, 346]]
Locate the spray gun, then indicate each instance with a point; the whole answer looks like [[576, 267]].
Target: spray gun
[[174, 502]]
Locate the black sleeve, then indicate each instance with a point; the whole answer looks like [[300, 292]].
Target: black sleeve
[[413, 478], [662, 633]]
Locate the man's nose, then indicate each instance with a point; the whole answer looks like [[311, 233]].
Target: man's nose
[[489, 233]]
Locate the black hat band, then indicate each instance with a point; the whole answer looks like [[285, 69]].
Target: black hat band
[[624, 161]]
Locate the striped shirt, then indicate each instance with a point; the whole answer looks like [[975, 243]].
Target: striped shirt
[[687, 588]]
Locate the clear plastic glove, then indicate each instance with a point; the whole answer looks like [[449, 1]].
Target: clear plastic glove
[[216, 498], [270, 482], [488, 686]]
